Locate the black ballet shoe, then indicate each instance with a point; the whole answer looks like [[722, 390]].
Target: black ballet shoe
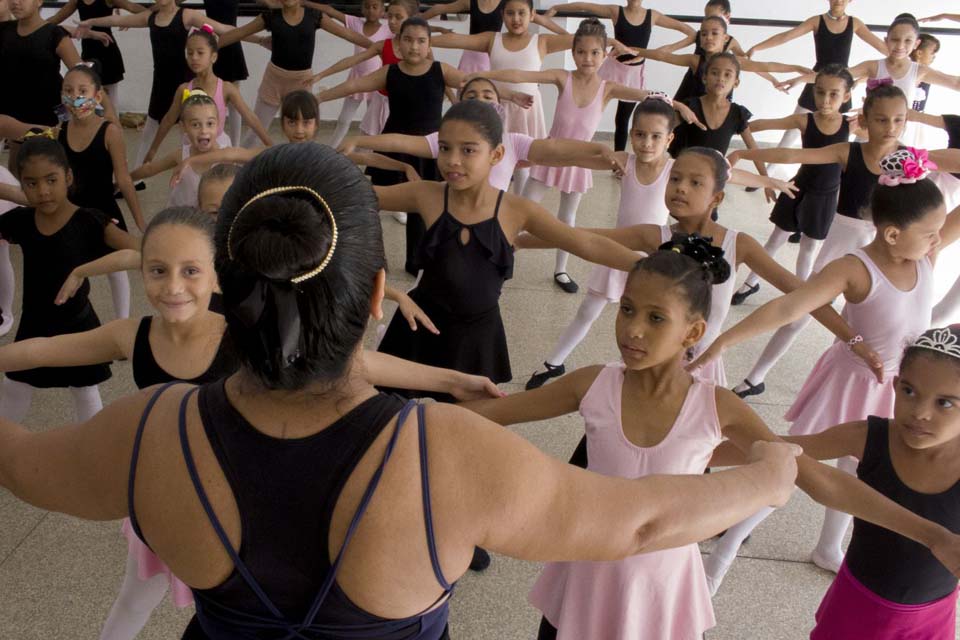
[[739, 296], [538, 379], [751, 390], [569, 286], [481, 560], [751, 189], [794, 238], [139, 186]]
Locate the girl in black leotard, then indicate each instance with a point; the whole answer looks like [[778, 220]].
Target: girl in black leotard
[[111, 68], [632, 26]]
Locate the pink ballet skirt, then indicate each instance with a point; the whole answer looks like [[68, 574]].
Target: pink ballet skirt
[[530, 121], [378, 110], [841, 388], [355, 23], [474, 61], [714, 372], [612, 70], [851, 611], [150, 565]]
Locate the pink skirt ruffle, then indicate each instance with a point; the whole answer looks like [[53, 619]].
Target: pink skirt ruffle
[[364, 68], [566, 179], [378, 109], [474, 61], [607, 283], [841, 388], [655, 596], [629, 75], [851, 611], [529, 121], [150, 565]]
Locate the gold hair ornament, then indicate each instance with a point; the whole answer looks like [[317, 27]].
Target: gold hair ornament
[[316, 196]]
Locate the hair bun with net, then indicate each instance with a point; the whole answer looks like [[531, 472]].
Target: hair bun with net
[[905, 166], [701, 250]]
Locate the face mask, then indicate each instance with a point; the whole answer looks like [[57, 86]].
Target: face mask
[[67, 103]]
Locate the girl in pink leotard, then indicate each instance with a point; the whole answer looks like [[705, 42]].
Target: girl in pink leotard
[[583, 96]]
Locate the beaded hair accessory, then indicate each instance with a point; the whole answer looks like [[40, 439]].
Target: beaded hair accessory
[[905, 166], [316, 196], [942, 340], [659, 95]]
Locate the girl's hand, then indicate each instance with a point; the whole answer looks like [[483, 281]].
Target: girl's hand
[[549, 13], [611, 156], [776, 84], [688, 115], [770, 195], [733, 158], [787, 85], [781, 460], [266, 42], [713, 352], [936, 18], [70, 286], [787, 188], [467, 387], [150, 155], [750, 52], [870, 357], [521, 99], [309, 82], [411, 173], [617, 48], [413, 314], [178, 172], [348, 146]]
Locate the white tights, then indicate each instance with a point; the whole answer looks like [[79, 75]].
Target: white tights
[[350, 106], [134, 604], [113, 92], [150, 128], [805, 258], [8, 282], [15, 400], [566, 213], [120, 292], [520, 177], [265, 114], [828, 553], [590, 309], [234, 124]]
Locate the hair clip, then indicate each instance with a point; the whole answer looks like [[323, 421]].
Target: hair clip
[[205, 28], [905, 166], [942, 340], [659, 95], [189, 93], [279, 190], [876, 83], [41, 133]]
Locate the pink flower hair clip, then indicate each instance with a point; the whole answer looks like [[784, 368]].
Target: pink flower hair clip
[[905, 166]]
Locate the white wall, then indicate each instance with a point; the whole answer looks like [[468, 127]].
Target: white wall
[[755, 93]]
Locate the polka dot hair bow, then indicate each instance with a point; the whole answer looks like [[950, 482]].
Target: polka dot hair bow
[[905, 166]]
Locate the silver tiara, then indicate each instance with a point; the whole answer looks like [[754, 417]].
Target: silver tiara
[[942, 340]]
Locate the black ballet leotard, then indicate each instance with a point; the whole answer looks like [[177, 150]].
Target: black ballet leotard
[[30, 68], [856, 184], [460, 291], [146, 371], [230, 66], [109, 56], [416, 105], [831, 48], [688, 135], [812, 211], [169, 63], [293, 45], [47, 261], [481, 22], [692, 84], [634, 36], [93, 174]]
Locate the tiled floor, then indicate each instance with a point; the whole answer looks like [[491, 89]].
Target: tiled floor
[[58, 575]]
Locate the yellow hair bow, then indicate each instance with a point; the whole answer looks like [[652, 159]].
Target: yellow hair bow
[[188, 93], [46, 133]]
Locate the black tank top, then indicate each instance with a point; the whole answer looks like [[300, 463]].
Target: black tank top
[[146, 371], [892, 566], [93, 174], [168, 44], [293, 45], [481, 22], [821, 177], [831, 48], [632, 35], [286, 490], [99, 9], [856, 184], [692, 85], [416, 102]]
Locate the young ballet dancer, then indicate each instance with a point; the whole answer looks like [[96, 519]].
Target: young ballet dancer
[[928, 47], [517, 49], [108, 55], [888, 288], [812, 211], [169, 26], [370, 25], [646, 415], [55, 236], [415, 89], [694, 190], [231, 66], [200, 122], [897, 68], [517, 147], [643, 201], [293, 30], [202, 53], [583, 97], [632, 26], [213, 186], [883, 116], [98, 161]]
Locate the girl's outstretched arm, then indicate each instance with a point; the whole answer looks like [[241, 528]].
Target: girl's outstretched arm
[[778, 124], [661, 20], [927, 118], [748, 179], [152, 168], [346, 63], [688, 60], [555, 77], [558, 398], [679, 44], [440, 9], [130, 21], [833, 154], [560, 152], [474, 42], [364, 84], [239, 33], [938, 78], [776, 67], [170, 118], [388, 143], [384, 370], [336, 28], [65, 12], [232, 96], [608, 11], [112, 341], [118, 158], [120, 260], [863, 32], [807, 26]]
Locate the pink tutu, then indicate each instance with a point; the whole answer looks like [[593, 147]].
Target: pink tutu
[[841, 388], [529, 121], [378, 109], [628, 75], [357, 72], [566, 179], [587, 599], [607, 283], [150, 565], [851, 611], [474, 61]]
